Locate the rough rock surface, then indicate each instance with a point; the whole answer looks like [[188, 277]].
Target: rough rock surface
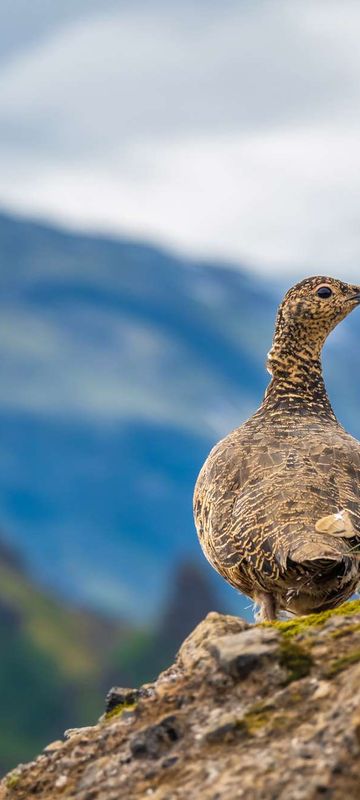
[[246, 711]]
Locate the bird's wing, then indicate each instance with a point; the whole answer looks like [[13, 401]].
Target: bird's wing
[[270, 515]]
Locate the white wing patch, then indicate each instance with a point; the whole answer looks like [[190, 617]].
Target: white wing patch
[[337, 525]]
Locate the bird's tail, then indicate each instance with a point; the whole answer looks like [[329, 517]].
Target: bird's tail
[[321, 547], [332, 538]]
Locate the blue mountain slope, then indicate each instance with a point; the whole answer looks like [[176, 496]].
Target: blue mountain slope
[[121, 365]]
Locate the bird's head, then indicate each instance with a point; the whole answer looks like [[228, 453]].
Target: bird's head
[[308, 313]]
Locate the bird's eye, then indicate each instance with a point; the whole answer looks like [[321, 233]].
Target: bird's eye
[[324, 292]]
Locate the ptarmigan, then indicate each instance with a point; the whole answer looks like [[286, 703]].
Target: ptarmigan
[[277, 502]]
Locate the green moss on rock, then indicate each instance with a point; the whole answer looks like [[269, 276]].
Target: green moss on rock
[[295, 660], [12, 779], [118, 710], [339, 664], [299, 625], [257, 717], [266, 715]]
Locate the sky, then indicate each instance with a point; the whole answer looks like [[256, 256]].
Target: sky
[[220, 128]]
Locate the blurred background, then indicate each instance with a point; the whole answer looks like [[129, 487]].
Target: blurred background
[[167, 170]]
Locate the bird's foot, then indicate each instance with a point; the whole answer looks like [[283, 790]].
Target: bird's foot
[[267, 607]]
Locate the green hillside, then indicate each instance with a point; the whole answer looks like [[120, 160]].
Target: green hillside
[[52, 666]]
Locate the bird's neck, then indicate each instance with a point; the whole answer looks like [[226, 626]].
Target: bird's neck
[[297, 383]]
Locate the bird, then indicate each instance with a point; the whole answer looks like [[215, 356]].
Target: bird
[[277, 501]]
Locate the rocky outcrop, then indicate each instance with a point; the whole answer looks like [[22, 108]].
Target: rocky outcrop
[[253, 712]]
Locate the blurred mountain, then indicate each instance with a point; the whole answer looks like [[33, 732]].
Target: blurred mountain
[[121, 365], [143, 653], [53, 663]]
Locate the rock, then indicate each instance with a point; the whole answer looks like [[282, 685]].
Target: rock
[[250, 712], [227, 729], [322, 690], [240, 653], [61, 781], [118, 698], [211, 628], [156, 740], [81, 732], [53, 746]]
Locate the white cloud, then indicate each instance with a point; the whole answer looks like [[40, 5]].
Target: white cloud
[[228, 128]]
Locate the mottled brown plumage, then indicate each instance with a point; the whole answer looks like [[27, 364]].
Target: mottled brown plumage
[[277, 502]]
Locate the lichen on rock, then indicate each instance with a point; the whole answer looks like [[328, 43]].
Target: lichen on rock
[[246, 711]]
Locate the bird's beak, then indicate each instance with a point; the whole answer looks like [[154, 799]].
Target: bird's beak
[[355, 298]]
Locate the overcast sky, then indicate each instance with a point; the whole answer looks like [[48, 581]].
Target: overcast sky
[[218, 127]]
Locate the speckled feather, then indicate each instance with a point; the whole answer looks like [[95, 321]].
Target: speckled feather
[[264, 488]]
